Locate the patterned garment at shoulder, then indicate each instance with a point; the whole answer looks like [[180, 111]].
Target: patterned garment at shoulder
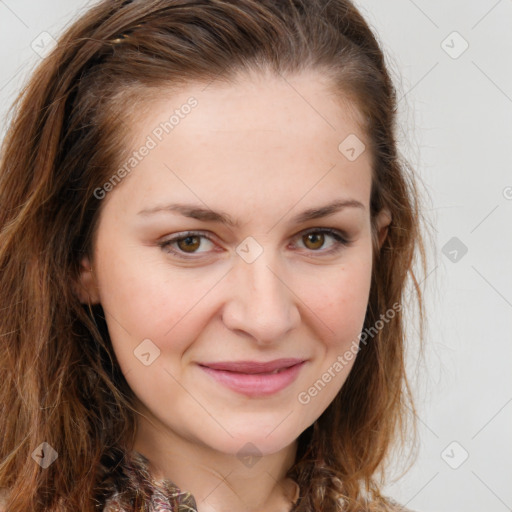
[[163, 495], [142, 493]]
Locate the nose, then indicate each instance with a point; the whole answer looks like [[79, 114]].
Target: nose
[[261, 302]]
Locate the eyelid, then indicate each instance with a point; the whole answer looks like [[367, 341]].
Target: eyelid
[[341, 240]]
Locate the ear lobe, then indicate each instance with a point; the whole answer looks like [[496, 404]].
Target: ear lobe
[[86, 288], [382, 223]]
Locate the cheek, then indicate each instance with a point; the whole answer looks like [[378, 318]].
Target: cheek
[[142, 301], [342, 301]]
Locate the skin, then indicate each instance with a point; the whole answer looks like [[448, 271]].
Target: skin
[[262, 150]]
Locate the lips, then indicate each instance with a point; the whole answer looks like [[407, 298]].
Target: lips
[[250, 367], [255, 378]]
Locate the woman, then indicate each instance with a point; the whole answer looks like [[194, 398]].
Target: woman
[[206, 233]]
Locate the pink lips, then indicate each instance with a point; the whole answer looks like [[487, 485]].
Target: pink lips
[[253, 378]]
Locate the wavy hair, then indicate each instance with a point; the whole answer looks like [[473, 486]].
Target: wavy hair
[[61, 382]]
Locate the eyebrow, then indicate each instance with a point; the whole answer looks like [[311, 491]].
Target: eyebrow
[[207, 215]]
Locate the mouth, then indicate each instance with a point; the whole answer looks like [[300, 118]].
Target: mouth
[[252, 378], [254, 366]]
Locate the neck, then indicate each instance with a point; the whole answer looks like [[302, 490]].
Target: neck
[[218, 481]]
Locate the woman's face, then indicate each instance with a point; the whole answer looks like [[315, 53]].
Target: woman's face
[[270, 157]]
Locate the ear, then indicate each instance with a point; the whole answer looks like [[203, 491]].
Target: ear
[[382, 223], [86, 288]]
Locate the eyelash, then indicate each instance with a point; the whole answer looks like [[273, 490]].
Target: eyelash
[[340, 242]]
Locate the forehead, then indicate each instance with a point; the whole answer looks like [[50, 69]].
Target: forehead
[[259, 137], [258, 101]]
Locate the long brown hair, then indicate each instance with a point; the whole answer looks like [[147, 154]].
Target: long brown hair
[[61, 383]]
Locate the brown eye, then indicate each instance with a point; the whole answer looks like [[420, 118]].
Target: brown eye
[[189, 243], [316, 240]]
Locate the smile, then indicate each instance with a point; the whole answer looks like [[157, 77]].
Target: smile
[[252, 382]]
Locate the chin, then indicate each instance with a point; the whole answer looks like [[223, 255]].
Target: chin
[[255, 441]]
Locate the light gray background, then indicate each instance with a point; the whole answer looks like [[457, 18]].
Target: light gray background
[[456, 118]]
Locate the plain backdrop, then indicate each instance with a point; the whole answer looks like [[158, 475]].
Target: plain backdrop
[[452, 65]]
